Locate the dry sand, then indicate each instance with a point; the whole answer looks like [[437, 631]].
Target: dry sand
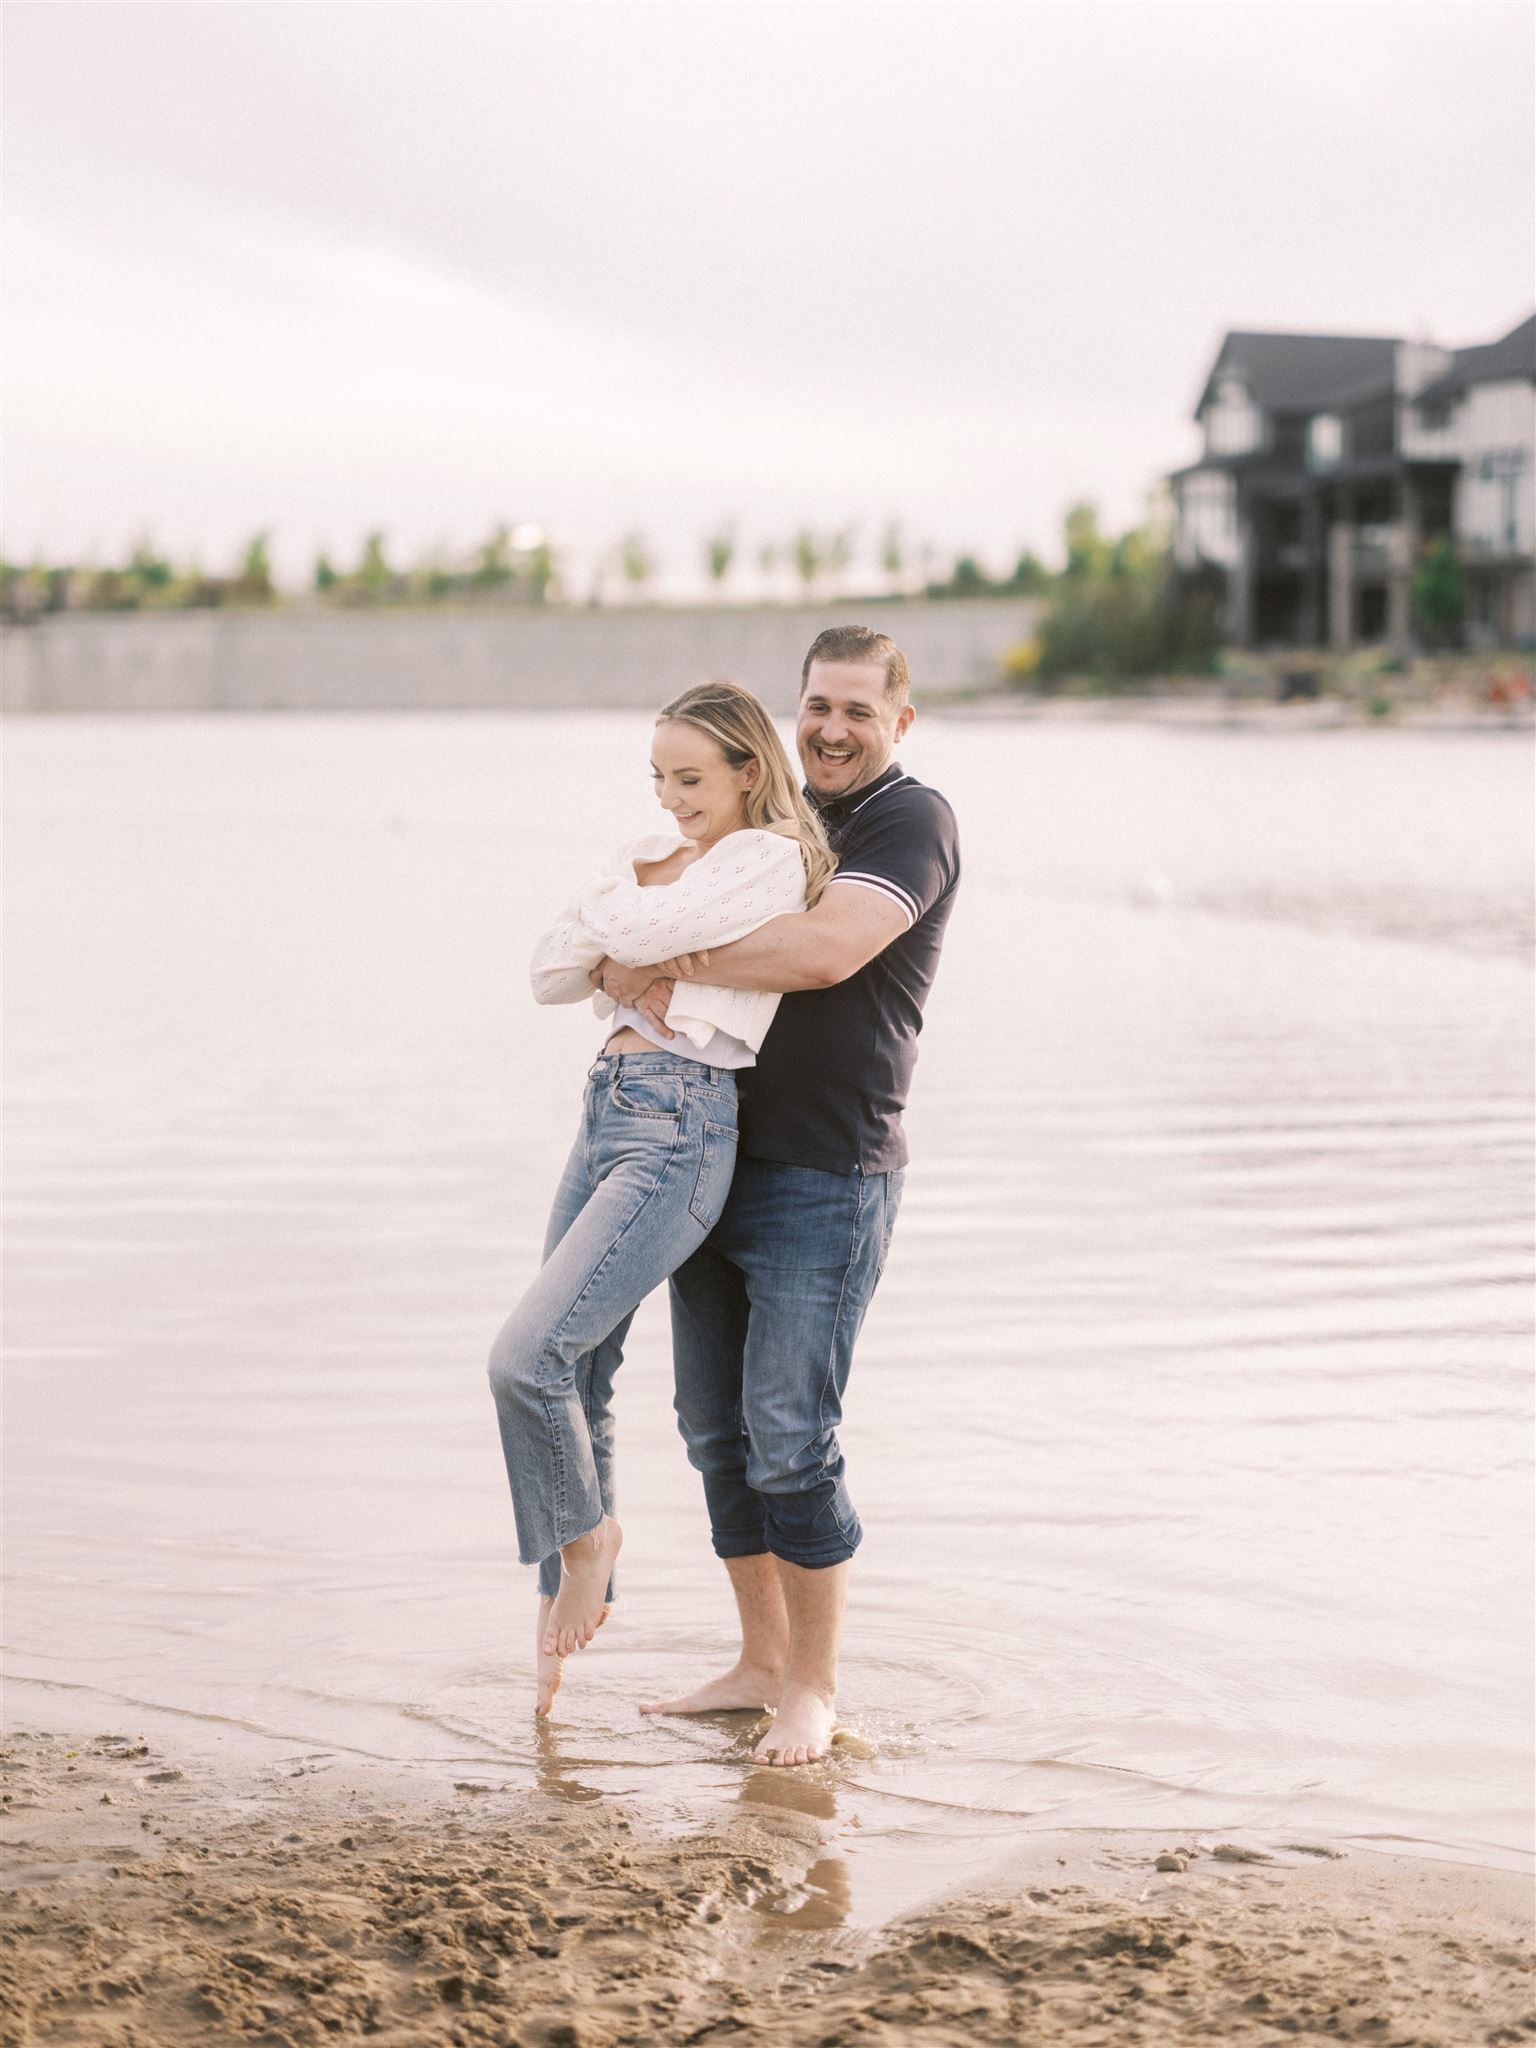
[[154, 1903]]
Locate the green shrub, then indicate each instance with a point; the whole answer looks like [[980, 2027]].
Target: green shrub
[[1439, 594]]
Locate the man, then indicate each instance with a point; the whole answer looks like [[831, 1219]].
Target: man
[[765, 1314]]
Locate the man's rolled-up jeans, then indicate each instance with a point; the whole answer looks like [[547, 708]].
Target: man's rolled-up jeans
[[644, 1184], [764, 1319]]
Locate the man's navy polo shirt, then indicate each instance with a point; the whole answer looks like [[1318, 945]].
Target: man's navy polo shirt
[[831, 1080]]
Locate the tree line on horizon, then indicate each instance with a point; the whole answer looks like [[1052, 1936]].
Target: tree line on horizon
[[514, 564], [1115, 608]]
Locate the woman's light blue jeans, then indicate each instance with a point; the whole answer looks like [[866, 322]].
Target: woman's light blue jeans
[[644, 1186]]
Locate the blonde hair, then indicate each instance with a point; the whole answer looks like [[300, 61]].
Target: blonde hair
[[739, 726]]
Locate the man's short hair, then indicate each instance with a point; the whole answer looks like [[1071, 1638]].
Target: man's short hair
[[862, 643]]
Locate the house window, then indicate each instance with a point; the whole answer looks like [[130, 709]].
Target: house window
[[1325, 440], [1491, 515], [1509, 488], [1232, 422]]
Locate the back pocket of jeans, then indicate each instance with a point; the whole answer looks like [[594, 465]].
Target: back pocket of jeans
[[717, 1162]]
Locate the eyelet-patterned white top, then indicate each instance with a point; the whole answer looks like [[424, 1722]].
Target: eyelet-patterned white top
[[744, 880]]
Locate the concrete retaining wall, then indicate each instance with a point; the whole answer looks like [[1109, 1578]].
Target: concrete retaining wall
[[455, 660]]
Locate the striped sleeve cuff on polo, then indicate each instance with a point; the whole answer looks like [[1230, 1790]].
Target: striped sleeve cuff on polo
[[883, 886]]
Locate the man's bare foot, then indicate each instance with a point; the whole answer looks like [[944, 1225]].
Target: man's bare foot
[[802, 1728], [548, 1671], [581, 1605], [745, 1688]]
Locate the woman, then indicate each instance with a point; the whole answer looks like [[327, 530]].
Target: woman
[[652, 1163]]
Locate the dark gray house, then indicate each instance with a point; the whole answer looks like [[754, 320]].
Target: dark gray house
[[1330, 461]]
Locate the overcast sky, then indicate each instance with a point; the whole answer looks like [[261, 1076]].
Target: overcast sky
[[323, 267]]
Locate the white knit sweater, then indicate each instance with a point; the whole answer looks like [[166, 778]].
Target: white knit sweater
[[745, 879]]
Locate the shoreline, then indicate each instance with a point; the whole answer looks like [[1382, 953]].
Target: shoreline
[[156, 1896], [1208, 710], [1191, 710]]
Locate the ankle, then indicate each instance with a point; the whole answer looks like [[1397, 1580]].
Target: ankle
[[814, 1688], [581, 1547]]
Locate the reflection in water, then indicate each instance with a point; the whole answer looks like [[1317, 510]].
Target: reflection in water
[[554, 1772], [824, 1896], [793, 1791]]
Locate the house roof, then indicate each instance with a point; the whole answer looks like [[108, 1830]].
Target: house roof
[[1301, 372], [1494, 362], [1351, 396]]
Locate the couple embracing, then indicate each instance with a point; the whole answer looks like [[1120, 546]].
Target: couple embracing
[[762, 971]]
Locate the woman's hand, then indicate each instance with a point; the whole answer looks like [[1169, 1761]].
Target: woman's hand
[[625, 984], [683, 968]]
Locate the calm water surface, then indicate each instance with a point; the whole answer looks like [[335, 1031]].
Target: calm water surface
[[1190, 1427]]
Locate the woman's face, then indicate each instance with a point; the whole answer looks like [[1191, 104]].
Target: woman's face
[[696, 783]]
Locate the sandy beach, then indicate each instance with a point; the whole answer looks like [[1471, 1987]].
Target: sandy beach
[[152, 1899]]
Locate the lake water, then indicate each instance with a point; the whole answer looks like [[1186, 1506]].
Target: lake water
[[1190, 1427]]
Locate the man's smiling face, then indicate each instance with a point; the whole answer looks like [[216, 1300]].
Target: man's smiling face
[[847, 727]]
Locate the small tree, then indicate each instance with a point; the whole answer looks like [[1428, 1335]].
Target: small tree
[[326, 576], [1030, 575], [719, 553], [1439, 591], [1085, 545], [892, 559], [375, 578], [150, 571], [637, 561], [840, 551], [809, 561], [252, 583], [492, 564]]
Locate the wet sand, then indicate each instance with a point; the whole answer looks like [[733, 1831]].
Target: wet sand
[[154, 1900]]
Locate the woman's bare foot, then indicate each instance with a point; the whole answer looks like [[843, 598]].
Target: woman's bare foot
[[581, 1605], [547, 1670], [802, 1728], [749, 1688]]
